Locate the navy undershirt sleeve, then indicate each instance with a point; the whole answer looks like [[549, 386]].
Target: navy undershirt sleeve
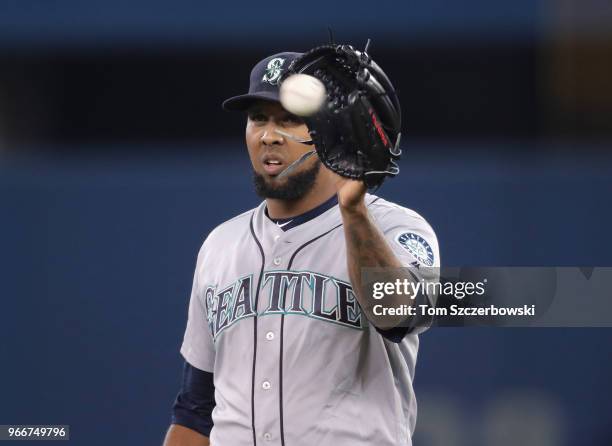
[[396, 334], [196, 399]]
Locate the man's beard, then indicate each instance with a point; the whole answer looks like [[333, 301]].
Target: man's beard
[[293, 188]]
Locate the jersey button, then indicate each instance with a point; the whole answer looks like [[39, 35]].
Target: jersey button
[[276, 237], [269, 336], [277, 261], [267, 436], [266, 385]]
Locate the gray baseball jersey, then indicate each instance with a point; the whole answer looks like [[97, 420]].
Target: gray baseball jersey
[[295, 362]]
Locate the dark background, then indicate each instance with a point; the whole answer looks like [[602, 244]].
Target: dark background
[[116, 161]]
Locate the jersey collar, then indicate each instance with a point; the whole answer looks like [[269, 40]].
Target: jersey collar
[[287, 223]]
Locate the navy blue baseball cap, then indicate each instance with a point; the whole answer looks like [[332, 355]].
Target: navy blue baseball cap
[[264, 81]]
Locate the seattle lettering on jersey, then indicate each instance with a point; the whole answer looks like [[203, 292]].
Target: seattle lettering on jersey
[[284, 292]]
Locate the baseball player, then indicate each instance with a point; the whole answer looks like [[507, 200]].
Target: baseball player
[[282, 346]]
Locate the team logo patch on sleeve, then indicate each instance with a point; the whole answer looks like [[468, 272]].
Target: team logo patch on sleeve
[[417, 246]]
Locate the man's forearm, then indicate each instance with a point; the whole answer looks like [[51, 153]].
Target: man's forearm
[[367, 248], [179, 435]]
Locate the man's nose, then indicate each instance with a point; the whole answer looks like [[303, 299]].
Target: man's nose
[[270, 137]]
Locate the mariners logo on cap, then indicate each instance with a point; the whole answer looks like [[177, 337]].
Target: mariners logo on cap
[[417, 246], [273, 70]]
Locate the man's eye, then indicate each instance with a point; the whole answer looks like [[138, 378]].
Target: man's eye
[[258, 117], [292, 119]]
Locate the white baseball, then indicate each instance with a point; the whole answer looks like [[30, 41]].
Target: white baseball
[[302, 94]]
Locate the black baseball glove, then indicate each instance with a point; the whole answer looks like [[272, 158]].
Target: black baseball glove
[[357, 130]]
